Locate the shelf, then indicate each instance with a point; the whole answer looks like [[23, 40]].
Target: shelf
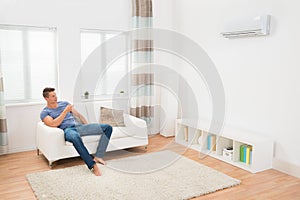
[[197, 136]]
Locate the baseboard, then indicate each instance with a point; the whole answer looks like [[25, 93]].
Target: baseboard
[[286, 167], [21, 149]]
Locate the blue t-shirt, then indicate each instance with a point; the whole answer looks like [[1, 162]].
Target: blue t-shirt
[[68, 121]]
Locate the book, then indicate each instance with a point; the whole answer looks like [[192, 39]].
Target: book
[[241, 153], [208, 142], [242, 147], [186, 135], [213, 142], [248, 154], [245, 153], [250, 162]]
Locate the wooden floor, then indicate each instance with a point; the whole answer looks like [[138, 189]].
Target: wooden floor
[[270, 184]]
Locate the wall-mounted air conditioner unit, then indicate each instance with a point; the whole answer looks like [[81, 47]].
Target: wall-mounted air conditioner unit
[[259, 26]]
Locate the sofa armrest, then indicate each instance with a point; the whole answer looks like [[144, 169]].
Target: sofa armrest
[[135, 127], [48, 137]]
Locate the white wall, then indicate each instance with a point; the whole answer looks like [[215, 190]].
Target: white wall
[[68, 16], [260, 75], [21, 123]]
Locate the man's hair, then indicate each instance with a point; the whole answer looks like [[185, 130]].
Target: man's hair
[[47, 90]]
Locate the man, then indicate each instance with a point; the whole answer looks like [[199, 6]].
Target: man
[[61, 114]]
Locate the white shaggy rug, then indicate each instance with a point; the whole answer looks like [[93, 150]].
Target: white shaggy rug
[[159, 175]]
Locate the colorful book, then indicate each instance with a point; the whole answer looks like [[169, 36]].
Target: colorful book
[[213, 142], [241, 153], [208, 142], [249, 154], [245, 153], [242, 158], [186, 134]]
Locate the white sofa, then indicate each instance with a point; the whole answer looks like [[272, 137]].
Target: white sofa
[[50, 141]]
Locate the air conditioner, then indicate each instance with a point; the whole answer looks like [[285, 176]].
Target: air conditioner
[[259, 26]]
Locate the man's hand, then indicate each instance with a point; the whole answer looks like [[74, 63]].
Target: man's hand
[[69, 108], [79, 116]]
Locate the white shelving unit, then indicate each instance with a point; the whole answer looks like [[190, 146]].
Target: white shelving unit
[[194, 135]]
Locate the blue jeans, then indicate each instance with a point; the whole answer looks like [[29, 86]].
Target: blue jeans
[[73, 135]]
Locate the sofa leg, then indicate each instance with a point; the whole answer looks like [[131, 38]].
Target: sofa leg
[[146, 148], [37, 152]]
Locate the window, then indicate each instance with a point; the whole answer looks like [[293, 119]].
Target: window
[[90, 40], [28, 60]]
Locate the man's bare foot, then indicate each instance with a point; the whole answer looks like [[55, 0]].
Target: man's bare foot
[[99, 160], [96, 170]]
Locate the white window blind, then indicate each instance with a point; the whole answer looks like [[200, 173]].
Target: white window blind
[[28, 60], [90, 40]]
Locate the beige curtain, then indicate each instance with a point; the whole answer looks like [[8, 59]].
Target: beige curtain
[[142, 80], [3, 124]]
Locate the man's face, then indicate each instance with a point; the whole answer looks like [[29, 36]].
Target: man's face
[[51, 97]]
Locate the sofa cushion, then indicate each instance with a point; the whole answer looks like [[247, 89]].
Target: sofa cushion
[[112, 117], [116, 134], [93, 110]]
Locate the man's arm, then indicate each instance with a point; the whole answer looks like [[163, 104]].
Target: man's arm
[[79, 116], [49, 121]]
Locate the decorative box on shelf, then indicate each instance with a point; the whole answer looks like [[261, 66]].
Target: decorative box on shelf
[[228, 153]]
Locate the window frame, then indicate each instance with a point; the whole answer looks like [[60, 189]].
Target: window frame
[[27, 82], [103, 31]]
